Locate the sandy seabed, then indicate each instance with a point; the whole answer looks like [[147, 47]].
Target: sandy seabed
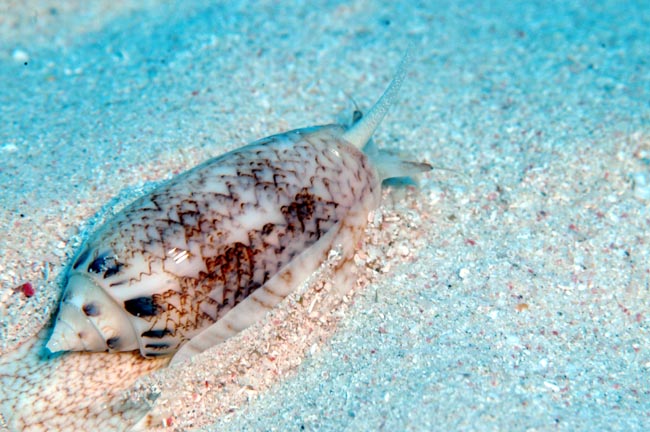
[[509, 293]]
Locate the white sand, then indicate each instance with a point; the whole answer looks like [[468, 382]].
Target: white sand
[[526, 307]]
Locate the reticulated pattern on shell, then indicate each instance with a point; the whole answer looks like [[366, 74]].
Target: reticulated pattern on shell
[[180, 258]]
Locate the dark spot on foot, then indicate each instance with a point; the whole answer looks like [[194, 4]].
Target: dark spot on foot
[[113, 342], [157, 345], [90, 309], [142, 307], [105, 264], [156, 333], [98, 265]]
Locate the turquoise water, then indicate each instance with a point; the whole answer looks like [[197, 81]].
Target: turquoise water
[[525, 306]]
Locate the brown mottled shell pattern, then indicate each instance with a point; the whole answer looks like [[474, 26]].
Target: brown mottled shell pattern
[[179, 259]]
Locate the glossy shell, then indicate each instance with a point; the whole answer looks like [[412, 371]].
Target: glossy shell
[[212, 250], [182, 258]]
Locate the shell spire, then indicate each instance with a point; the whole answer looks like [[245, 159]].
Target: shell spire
[[361, 132]]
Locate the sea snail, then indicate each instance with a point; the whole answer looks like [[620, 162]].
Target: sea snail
[[209, 252]]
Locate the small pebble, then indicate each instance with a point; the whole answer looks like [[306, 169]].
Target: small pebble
[[20, 56], [9, 148], [27, 289], [551, 386]]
